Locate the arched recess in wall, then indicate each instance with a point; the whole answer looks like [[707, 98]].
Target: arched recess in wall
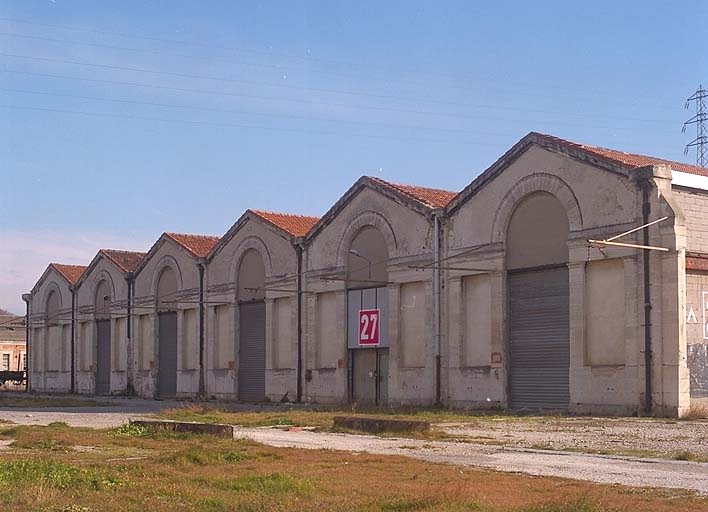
[[367, 299], [536, 254], [250, 295], [103, 298], [167, 346], [52, 307], [54, 343]]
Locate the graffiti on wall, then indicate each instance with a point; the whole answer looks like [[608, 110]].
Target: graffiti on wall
[[693, 318]]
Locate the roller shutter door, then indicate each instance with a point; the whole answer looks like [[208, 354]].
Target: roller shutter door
[[103, 357], [251, 369], [539, 339], [167, 355]]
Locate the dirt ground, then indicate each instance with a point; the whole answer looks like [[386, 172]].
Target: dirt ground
[[684, 440], [57, 468]]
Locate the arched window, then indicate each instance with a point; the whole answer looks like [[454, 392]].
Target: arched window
[[537, 234], [167, 290], [251, 277], [52, 308], [102, 301], [367, 261]]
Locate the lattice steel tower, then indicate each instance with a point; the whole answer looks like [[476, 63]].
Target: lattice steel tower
[[700, 120]]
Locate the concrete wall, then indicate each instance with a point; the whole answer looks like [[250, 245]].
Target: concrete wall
[[607, 324], [697, 332], [145, 327], [50, 352], [606, 373], [694, 205], [408, 237], [279, 258], [103, 272]]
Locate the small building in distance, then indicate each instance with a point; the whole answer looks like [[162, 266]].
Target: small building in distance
[[13, 343]]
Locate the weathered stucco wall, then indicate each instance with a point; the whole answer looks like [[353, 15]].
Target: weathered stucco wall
[[409, 240], [86, 339], [50, 353], [171, 255], [222, 331]]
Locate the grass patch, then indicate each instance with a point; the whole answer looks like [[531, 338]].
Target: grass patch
[[58, 475], [200, 457], [134, 471], [30, 402], [269, 485]]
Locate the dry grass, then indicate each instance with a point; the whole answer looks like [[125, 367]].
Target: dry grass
[[23, 401], [138, 469], [697, 411], [323, 419]]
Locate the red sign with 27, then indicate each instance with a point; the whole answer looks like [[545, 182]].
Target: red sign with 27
[[369, 326]]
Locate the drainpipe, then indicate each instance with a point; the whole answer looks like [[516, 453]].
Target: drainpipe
[[436, 305], [646, 210], [202, 384], [298, 253], [27, 297], [129, 331], [73, 340]]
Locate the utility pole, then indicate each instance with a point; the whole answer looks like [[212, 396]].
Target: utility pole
[[700, 120]]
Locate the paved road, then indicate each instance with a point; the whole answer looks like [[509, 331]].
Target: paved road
[[639, 472]]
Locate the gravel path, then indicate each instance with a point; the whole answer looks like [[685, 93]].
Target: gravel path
[[634, 472], [633, 436]]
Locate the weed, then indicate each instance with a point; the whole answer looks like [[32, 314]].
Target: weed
[[132, 430], [697, 411], [58, 475], [271, 484], [49, 445], [404, 505], [581, 505]]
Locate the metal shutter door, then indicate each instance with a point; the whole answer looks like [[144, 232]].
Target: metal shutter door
[[539, 339], [103, 357], [251, 369], [167, 355]]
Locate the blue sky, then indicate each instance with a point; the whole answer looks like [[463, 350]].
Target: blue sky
[[121, 120]]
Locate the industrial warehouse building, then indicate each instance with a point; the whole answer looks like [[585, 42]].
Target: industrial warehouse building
[[516, 292]]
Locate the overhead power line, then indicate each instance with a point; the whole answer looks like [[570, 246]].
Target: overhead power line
[[234, 125], [220, 110], [700, 120], [536, 92], [348, 65]]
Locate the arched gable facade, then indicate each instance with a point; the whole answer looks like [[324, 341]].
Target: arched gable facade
[[365, 226], [521, 238], [252, 315]]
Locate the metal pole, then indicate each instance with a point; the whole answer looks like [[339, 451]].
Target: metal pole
[[202, 382], [436, 307], [646, 210], [73, 340], [28, 299], [298, 387]]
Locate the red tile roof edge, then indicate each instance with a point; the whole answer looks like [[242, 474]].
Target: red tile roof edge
[[623, 159], [430, 197], [294, 224], [127, 261], [197, 245], [71, 273]]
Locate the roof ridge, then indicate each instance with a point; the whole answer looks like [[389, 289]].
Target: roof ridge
[[270, 212], [71, 277], [625, 159], [408, 191]]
